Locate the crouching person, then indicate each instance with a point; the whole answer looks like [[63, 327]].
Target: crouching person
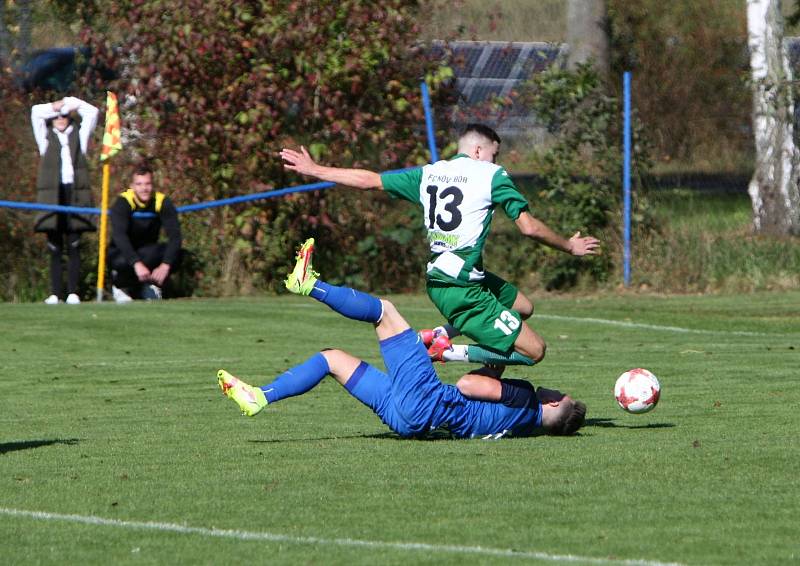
[[141, 264]]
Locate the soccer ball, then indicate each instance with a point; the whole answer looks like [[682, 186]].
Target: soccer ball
[[637, 391]]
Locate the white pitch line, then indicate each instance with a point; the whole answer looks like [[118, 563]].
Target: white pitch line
[[627, 324], [346, 542], [131, 363], [606, 321]]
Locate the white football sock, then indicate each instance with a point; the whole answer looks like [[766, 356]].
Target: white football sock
[[457, 354]]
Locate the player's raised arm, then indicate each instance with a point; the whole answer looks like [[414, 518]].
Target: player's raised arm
[[301, 162], [577, 245]]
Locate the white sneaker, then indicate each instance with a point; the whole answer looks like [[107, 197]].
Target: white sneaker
[[73, 299], [120, 296], [151, 293], [51, 300]]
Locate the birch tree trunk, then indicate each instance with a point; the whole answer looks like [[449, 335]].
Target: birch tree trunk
[[587, 37], [774, 187]]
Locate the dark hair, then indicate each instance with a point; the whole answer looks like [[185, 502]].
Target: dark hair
[[481, 129], [570, 422], [143, 168]]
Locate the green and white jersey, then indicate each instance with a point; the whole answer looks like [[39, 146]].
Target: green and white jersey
[[458, 197]]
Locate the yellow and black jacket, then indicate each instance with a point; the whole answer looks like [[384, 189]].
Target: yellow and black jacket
[[130, 233]]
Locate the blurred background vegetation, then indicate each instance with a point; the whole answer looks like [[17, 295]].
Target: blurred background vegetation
[[694, 156]]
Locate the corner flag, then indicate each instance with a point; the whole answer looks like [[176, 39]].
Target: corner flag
[[112, 137], [112, 144]]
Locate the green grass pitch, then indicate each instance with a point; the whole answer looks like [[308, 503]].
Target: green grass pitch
[[116, 446]]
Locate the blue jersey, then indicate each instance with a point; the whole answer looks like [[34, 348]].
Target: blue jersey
[[412, 401], [467, 418]]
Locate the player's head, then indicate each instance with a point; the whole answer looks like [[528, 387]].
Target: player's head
[[561, 414], [142, 182], [479, 142]]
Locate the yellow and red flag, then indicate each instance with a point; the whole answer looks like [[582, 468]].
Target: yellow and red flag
[[112, 144], [112, 137]]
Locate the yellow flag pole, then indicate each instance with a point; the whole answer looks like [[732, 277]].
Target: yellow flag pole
[[112, 143], [101, 260]]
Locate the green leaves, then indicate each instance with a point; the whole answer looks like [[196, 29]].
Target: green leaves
[[580, 170], [221, 88]]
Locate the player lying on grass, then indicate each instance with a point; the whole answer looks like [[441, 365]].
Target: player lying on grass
[[410, 399], [458, 197]]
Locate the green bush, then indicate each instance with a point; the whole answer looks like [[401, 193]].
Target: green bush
[[579, 173], [689, 60]]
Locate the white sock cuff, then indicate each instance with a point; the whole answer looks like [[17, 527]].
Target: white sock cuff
[[457, 354]]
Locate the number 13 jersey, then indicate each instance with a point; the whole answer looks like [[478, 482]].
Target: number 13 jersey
[[458, 198]]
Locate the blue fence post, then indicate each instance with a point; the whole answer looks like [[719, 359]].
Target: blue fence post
[[426, 104], [626, 178]]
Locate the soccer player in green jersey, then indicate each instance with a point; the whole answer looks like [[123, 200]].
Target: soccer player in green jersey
[[458, 197]]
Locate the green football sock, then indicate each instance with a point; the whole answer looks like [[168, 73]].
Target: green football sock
[[488, 356]]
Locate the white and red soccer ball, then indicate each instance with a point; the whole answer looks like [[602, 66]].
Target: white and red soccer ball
[[637, 391]]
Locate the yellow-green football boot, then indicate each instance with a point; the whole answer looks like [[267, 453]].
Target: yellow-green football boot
[[301, 280], [250, 399]]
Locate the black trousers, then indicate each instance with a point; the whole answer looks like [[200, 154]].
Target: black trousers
[[56, 239], [55, 245], [123, 274]]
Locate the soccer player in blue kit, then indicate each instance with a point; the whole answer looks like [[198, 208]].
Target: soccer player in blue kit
[[410, 399]]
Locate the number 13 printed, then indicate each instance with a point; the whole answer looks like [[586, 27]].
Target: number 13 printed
[[451, 206], [506, 323]]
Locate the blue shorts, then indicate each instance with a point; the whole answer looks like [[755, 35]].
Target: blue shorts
[[407, 398]]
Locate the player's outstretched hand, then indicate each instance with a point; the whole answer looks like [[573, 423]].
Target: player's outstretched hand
[[586, 245], [299, 161]]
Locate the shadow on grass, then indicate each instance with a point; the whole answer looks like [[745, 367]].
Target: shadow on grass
[[610, 423], [442, 435], [432, 437], [29, 444]]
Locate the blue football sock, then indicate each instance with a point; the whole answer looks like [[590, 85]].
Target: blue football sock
[[348, 302], [297, 380]]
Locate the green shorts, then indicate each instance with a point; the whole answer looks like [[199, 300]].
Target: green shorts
[[481, 311]]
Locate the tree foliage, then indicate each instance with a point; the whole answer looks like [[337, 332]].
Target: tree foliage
[[18, 161], [24, 253], [579, 170], [217, 88], [688, 61]]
